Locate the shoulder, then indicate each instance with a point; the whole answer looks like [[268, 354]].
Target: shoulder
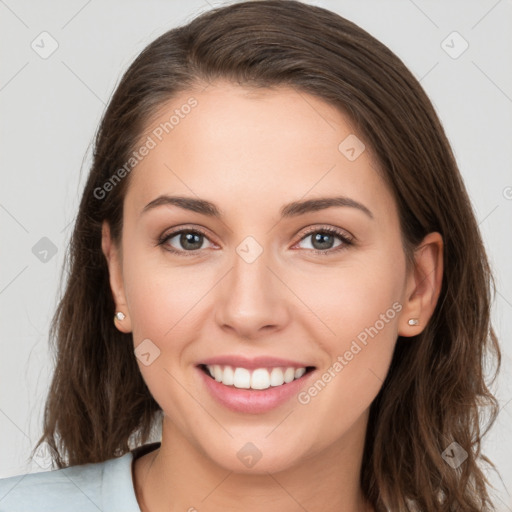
[[97, 486]]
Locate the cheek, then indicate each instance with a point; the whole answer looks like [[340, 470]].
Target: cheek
[[361, 310], [162, 296], [369, 299], [356, 295], [359, 306], [165, 308]]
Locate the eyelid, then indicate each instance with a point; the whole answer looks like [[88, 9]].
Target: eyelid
[[328, 228], [178, 229]]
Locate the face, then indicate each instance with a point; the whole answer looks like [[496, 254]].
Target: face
[[323, 289]]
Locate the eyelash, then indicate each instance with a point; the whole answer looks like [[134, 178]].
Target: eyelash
[[346, 240]]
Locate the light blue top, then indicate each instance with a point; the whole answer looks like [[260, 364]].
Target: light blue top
[[95, 487]]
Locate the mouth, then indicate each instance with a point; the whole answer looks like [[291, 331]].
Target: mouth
[[257, 379]]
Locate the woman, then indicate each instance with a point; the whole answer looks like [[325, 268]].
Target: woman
[[275, 260]]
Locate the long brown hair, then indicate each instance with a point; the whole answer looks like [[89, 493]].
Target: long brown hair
[[99, 406]]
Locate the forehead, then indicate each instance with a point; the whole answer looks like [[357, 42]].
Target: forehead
[[229, 143]]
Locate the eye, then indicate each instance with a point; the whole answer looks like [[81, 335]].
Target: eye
[[323, 240], [188, 241], [183, 241]]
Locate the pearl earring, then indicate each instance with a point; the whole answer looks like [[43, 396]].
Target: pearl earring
[[119, 316], [413, 321]]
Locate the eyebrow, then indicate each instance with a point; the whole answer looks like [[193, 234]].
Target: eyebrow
[[293, 209]]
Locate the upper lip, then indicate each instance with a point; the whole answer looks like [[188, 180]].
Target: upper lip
[[256, 362]]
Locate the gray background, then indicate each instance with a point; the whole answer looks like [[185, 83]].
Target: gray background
[[50, 108]]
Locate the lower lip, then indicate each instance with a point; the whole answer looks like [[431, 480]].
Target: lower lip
[[253, 401]]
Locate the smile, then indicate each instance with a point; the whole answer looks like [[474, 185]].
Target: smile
[[257, 379]]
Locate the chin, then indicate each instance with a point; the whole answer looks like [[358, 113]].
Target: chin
[[258, 457]]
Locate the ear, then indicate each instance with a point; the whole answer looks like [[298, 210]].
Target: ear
[[423, 285], [113, 257]]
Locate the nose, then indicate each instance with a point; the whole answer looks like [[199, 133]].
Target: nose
[[252, 300]]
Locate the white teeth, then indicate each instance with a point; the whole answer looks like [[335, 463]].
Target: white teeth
[[276, 377], [299, 372], [289, 375], [228, 377], [242, 378], [217, 373], [260, 378]]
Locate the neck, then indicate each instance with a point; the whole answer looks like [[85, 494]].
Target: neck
[[180, 476]]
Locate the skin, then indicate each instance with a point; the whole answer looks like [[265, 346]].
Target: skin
[[251, 152]]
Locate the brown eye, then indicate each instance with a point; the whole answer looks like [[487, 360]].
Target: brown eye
[[327, 240], [183, 241]]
